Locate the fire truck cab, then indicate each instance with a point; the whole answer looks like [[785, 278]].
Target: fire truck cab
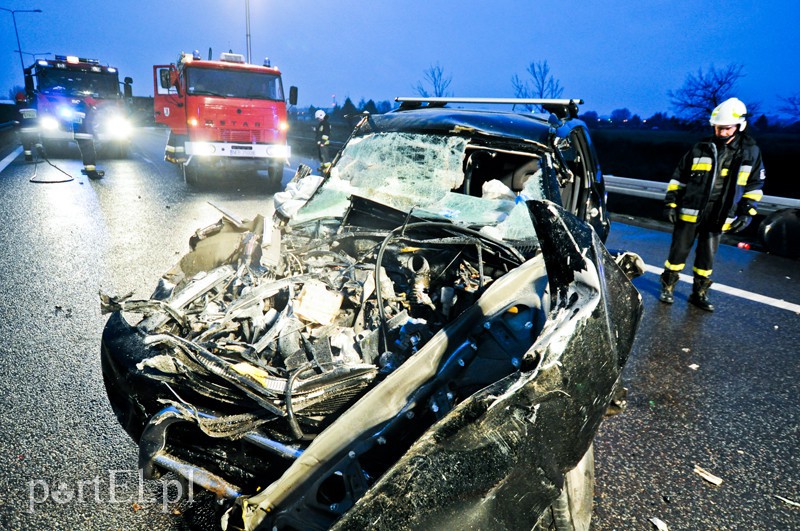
[[58, 88], [224, 116]]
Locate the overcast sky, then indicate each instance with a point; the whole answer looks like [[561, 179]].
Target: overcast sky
[[612, 53]]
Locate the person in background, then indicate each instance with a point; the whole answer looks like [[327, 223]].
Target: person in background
[[323, 137], [715, 188], [28, 130], [82, 132]]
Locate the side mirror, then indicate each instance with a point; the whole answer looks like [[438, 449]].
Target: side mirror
[[164, 78], [293, 95], [127, 90]]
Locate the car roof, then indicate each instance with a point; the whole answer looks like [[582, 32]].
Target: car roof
[[468, 122]]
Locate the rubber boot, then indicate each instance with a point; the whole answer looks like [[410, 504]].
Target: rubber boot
[[699, 296], [668, 281], [92, 172]]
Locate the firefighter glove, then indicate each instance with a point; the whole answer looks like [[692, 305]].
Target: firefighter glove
[[740, 223], [745, 208], [670, 214]]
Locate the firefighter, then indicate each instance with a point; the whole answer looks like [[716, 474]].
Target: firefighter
[[82, 132], [28, 130], [323, 137], [715, 188]]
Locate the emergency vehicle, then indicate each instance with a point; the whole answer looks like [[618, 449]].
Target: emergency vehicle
[[223, 115], [58, 88]]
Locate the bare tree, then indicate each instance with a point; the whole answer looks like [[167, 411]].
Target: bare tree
[[540, 85], [791, 106], [703, 91], [435, 77]]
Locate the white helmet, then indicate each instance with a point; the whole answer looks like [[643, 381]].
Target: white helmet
[[730, 112], [320, 114]]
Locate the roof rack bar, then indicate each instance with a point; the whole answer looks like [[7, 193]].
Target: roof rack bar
[[511, 101]]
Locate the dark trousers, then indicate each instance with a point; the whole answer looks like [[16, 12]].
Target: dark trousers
[[88, 153], [683, 236], [85, 140], [324, 153]]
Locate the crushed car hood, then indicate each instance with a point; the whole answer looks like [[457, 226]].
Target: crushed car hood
[[418, 376]]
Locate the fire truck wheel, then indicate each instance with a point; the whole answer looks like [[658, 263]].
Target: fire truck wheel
[[122, 151], [55, 149], [191, 175], [275, 176]]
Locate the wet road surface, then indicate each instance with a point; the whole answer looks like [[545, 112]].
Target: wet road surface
[[716, 390], [720, 391]]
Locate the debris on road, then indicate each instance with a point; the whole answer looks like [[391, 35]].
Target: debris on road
[[708, 476], [787, 501], [659, 524]]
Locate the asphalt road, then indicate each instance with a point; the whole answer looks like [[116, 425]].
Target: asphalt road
[[715, 390]]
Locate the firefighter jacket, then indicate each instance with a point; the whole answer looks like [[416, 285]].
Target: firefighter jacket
[[323, 131], [694, 179]]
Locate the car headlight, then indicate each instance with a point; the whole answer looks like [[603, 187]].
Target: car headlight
[[117, 127], [66, 113], [48, 123]]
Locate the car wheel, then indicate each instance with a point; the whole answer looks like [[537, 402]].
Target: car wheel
[[572, 510]]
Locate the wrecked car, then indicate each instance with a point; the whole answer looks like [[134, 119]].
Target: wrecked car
[[426, 337]]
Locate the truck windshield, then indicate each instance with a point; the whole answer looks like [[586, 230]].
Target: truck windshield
[[78, 83], [233, 84]]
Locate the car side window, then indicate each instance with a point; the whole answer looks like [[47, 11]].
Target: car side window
[[575, 152]]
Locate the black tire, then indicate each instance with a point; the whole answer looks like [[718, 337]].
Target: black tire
[[122, 150], [203, 513], [55, 148], [572, 510], [113, 150], [191, 174], [275, 172]]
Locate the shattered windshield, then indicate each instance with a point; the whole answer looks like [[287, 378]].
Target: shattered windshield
[[422, 172]]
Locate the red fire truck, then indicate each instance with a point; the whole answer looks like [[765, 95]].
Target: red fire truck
[[223, 116], [57, 87]]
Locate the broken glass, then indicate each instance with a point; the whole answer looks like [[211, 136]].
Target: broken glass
[[402, 170]]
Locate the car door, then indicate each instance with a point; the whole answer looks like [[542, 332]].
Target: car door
[[168, 103]]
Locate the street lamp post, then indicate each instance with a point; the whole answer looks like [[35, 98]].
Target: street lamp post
[[14, 18], [247, 9]]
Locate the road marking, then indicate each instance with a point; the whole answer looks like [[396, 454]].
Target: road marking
[[736, 292], [10, 158]]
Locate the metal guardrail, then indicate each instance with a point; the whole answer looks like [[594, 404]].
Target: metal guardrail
[[656, 190]]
